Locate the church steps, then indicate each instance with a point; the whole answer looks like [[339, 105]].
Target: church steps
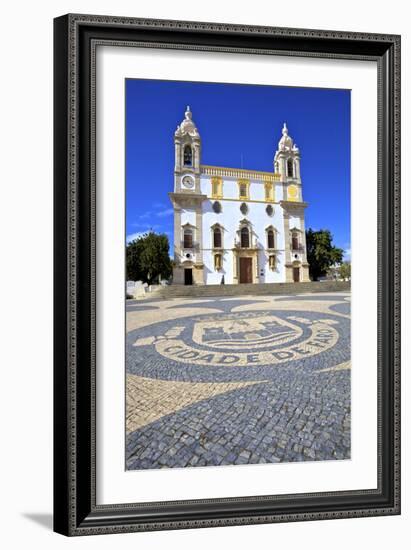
[[265, 289]]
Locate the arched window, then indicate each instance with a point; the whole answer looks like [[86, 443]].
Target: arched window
[[188, 238], [188, 156], [245, 238], [271, 261], [270, 239], [290, 168], [294, 241], [217, 240]]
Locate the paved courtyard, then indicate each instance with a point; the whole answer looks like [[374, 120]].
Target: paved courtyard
[[242, 380]]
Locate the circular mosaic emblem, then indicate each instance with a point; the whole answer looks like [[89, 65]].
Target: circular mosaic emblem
[[244, 339]]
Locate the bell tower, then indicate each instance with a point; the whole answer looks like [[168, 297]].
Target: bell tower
[[287, 165], [187, 146], [187, 201]]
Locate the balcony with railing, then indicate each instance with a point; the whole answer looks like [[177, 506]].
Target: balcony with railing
[[246, 244]]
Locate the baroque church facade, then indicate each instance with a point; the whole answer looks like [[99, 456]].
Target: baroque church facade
[[237, 226]]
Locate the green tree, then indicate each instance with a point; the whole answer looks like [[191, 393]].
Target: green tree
[[345, 270], [147, 258], [321, 254], [133, 253]]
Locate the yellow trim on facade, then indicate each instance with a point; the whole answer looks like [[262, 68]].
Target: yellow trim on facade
[[292, 193], [216, 187], [241, 182], [269, 191]]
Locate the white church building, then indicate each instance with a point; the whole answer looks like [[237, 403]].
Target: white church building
[[234, 225]]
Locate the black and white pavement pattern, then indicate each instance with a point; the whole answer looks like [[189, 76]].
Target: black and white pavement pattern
[[243, 380]]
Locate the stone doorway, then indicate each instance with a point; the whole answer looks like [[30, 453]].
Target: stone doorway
[[188, 276], [246, 270]]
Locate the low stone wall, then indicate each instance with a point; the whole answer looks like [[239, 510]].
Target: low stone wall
[[139, 290]]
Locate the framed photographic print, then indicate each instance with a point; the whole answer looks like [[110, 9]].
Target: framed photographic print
[[227, 279]]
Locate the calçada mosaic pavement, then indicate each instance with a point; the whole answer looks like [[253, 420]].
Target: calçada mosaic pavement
[[241, 380]]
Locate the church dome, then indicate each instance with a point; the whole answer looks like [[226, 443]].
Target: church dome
[[187, 126]]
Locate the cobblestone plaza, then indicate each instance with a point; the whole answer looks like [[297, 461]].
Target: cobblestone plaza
[[240, 380]]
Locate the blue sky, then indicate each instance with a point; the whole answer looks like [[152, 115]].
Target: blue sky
[[240, 126]]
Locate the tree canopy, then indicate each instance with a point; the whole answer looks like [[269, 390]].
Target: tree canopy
[[147, 258], [321, 254], [345, 271]]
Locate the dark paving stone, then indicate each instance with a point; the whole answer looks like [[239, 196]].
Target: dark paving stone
[[344, 308], [294, 413], [135, 307], [264, 441]]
